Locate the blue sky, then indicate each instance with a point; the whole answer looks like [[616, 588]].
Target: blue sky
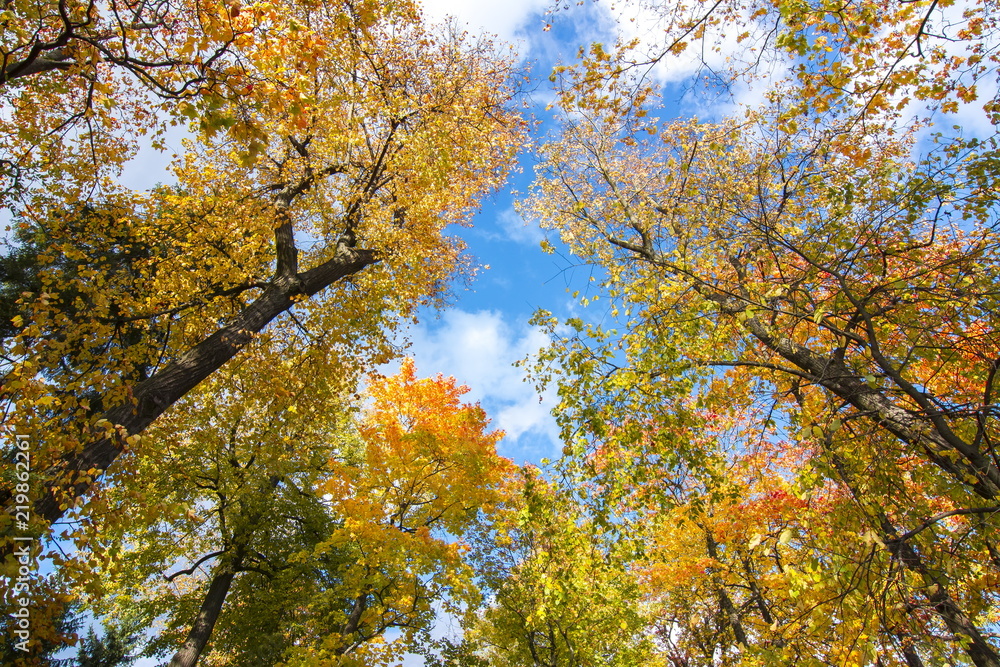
[[482, 334], [485, 330], [478, 339]]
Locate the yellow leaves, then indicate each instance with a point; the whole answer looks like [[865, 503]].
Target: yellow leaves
[[47, 401], [827, 173], [427, 455]]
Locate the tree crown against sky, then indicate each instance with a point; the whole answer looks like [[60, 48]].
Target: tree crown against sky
[[319, 169], [815, 277], [789, 399], [329, 147]]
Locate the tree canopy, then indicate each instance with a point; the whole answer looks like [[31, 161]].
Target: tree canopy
[[326, 182], [811, 287], [328, 147], [779, 434]]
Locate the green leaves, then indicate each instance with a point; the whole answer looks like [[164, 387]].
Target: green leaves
[[559, 583], [800, 310], [351, 125], [316, 511]]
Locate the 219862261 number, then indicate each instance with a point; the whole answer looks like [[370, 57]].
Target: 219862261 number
[[22, 466]]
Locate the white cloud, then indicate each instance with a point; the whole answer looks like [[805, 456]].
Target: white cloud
[[517, 229], [479, 350], [945, 23], [503, 18], [721, 51]]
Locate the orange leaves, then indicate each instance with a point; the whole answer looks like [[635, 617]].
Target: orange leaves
[[427, 457], [797, 366], [351, 123], [424, 470], [347, 127]]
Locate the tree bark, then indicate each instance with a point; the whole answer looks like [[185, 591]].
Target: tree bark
[[725, 603], [927, 428], [152, 397], [957, 621], [204, 623], [911, 657], [835, 376], [978, 649], [353, 624], [38, 64]]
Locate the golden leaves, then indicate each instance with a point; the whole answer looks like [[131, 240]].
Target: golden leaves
[[428, 458], [749, 262], [360, 129]]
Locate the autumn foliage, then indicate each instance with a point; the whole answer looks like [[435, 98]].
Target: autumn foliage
[[325, 149], [779, 433], [799, 380], [136, 297], [325, 527]]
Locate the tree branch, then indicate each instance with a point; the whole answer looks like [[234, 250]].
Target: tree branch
[[194, 567]]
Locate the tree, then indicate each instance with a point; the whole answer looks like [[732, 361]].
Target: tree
[[322, 188], [83, 81], [110, 650], [277, 531], [562, 589], [819, 258], [54, 621], [428, 469], [741, 566], [221, 516], [870, 61]]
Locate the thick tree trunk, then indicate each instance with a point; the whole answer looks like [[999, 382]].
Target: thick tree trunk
[[201, 629], [37, 63], [352, 624], [152, 397], [911, 657]]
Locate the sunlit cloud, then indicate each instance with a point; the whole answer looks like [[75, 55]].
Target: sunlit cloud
[[506, 19], [479, 349], [518, 230]]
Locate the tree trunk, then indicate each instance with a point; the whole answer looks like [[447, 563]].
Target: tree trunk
[[957, 621], [725, 603], [201, 629], [978, 649], [152, 397], [938, 441]]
